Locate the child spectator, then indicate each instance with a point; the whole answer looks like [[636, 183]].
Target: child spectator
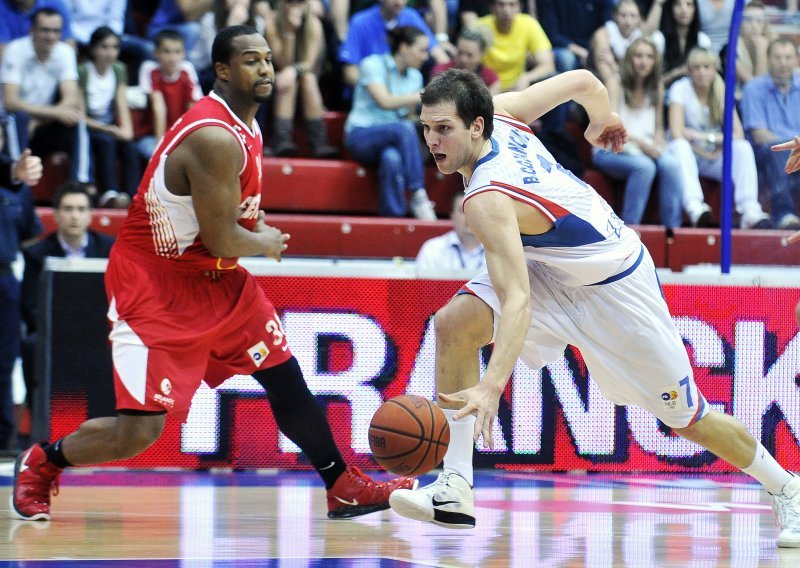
[[296, 38], [470, 47], [171, 85], [103, 82]]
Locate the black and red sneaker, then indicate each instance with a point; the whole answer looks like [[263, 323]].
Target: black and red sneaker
[[355, 494], [34, 479]]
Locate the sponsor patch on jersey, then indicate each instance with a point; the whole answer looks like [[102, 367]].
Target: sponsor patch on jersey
[[258, 353], [670, 399]]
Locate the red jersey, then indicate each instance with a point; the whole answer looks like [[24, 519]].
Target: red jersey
[[164, 224]]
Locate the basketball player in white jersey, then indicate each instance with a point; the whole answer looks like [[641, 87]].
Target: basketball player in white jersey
[[562, 269]]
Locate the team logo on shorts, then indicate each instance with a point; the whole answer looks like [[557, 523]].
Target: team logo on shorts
[[166, 386], [258, 353], [670, 399]]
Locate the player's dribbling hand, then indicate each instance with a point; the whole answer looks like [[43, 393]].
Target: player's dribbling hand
[[609, 134], [793, 162], [483, 402], [275, 241]]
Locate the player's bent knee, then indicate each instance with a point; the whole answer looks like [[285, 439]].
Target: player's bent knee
[[465, 319]]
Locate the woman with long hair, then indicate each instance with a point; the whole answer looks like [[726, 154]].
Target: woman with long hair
[[640, 102], [696, 106], [296, 37], [610, 42], [379, 130], [680, 26]]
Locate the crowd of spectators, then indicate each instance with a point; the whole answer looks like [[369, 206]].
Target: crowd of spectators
[[102, 80]]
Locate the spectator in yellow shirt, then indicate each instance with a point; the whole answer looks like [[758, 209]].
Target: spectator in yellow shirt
[[516, 40]]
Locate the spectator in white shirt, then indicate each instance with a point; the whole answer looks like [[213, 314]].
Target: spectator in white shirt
[[458, 249]]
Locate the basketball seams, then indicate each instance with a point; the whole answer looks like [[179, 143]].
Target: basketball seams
[[417, 439]]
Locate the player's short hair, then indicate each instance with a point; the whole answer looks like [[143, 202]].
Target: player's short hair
[[68, 188], [169, 34], [465, 90], [222, 49]]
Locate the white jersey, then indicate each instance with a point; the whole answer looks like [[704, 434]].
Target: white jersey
[[588, 244]]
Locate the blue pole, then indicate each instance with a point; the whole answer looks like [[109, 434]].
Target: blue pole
[[727, 144]]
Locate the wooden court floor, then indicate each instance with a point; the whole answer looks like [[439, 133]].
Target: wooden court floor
[[165, 519]]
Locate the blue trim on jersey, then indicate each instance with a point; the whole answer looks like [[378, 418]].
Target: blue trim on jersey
[[624, 273], [490, 155], [568, 231]]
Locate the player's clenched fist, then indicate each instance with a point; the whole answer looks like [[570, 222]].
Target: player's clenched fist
[[274, 240]]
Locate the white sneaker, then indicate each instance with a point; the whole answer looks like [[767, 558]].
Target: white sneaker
[[421, 206], [790, 222], [448, 502], [786, 506], [755, 218], [699, 214]]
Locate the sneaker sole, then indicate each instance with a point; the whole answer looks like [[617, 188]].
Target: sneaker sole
[[14, 511], [785, 543], [351, 512], [411, 510]]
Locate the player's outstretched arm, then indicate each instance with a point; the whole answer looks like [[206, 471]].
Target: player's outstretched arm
[[492, 218], [793, 162], [210, 159]]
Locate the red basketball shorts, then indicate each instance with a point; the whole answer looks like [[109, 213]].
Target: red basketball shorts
[[173, 327]]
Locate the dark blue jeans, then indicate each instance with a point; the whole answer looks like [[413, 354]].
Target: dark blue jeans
[[108, 154], [10, 322], [772, 176], [638, 172], [394, 149]]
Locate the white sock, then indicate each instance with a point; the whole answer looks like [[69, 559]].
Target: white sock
[[767, 471], [459, 453]]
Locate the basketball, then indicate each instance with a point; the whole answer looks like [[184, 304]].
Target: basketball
[[409, 435]]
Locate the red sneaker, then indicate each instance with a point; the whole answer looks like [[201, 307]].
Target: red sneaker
[[355, 494], [34, 479]]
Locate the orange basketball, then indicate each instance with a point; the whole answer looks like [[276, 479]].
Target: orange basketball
[[409, 435]]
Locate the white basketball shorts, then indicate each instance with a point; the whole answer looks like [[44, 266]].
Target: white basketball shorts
[[624, 332]]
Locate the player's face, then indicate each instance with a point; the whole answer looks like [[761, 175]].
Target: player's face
[[250, 67], [453, 145], [73, 215]]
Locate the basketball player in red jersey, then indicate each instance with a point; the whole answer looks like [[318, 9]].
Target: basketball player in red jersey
[[182, 310]]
